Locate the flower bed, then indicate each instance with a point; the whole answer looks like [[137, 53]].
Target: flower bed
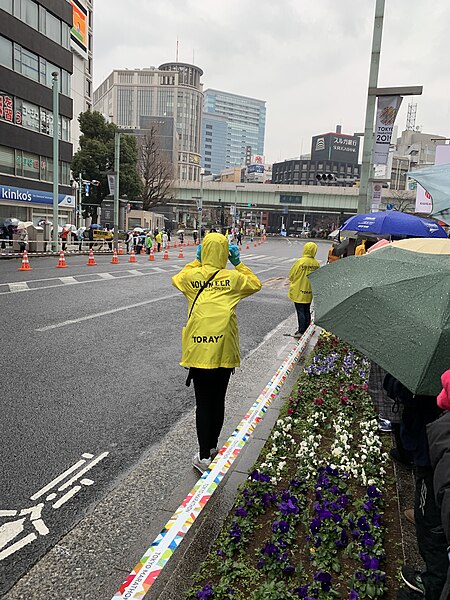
[[309, 523]]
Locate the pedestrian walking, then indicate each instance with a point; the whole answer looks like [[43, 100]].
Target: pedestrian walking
[[91, 238], [80, 238], [239, 238], [165, 240], [194, 235], [210, 339], [300, 291], [23, 240], [137, 244]]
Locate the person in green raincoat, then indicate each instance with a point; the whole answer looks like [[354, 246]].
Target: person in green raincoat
[[148, 242], [300, 291], [210, 339]]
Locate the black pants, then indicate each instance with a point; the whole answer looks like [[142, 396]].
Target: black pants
[[210, 387], [303, 316], [430, 535]]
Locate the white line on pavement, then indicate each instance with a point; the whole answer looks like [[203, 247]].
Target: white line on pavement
[[106, 312], [83, 471], [135, 272], [55, 481], [19, 286], [68, 280], [111, 276]]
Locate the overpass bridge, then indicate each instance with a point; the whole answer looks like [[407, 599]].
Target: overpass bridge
[[273, 204]]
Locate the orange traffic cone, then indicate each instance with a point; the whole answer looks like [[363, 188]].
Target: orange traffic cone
[[25, 264], [166, 255], [180, 255], [120, 250], [151, 256], [168, 245], [62, 261], [255, 245], [91, 260], [259, 243], [175, 245], [247, 247], [115, 258], [132, 258], [188, 243]]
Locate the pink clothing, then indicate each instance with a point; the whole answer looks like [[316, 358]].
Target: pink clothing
[[443, 399]]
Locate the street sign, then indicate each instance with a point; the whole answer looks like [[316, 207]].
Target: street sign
[[389, 206]]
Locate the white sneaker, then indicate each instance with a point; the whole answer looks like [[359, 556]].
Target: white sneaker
[[201, 464], [213, 453]]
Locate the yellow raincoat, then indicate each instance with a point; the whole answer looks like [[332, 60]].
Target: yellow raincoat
[[210, 338], [361, 249], [300, 289]]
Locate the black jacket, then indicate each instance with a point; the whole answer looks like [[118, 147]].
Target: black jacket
[[439, 447], [417, 412]]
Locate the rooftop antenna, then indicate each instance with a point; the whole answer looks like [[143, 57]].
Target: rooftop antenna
[[176, 58], [411, 118], [193, 56]]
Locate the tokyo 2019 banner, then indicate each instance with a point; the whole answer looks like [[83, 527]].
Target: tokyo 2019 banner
[[387, 110]]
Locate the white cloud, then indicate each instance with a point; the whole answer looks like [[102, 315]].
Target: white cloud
[[308, 59]]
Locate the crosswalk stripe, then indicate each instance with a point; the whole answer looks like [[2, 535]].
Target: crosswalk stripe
[[106, 276], [68, 280]]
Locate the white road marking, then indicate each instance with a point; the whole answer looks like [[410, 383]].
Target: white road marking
[[19, 286], [107, 312], [86, 482], [159, 270], [87, 455], [41, 527], [108, 275], [18, 546], [55, 481], [8, 513], [83, 471], [50, 497], [67, 496], [68, 280], [135, 272]]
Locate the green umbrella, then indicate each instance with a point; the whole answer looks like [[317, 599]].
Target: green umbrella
[[394, 306]]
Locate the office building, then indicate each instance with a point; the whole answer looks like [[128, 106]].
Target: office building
[[245, 130], [334, 161], [173, 94], [34, 43], [81, 44]]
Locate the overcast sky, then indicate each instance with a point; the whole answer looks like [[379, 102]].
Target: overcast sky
[[309, 59]]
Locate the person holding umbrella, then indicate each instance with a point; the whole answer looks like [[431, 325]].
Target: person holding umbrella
[[300, 291]]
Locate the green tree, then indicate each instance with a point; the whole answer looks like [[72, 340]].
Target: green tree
[[95, 158]]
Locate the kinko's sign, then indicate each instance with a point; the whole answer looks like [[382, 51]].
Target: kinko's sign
[[386, 113]]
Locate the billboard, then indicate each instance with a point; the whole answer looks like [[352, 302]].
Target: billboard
[[14, 194], [258, 168], [338, 147], [79, 31], [387, 110]]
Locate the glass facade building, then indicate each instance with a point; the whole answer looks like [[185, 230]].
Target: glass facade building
[[34, 43], [245, 128]]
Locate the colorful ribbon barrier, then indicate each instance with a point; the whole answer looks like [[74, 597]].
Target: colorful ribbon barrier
[[145, 573]]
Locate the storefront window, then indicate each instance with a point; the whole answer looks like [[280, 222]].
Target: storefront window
[[6, 160]]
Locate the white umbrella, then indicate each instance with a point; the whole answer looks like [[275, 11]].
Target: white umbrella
[[24, 224], [138, 230], [180, 231]]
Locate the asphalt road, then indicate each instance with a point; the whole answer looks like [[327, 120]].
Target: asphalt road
[[90, 380]]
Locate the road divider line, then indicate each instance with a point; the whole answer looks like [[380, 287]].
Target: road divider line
[[145, 573], [19, 286], [107, 312], [55, 481], [68, 280]]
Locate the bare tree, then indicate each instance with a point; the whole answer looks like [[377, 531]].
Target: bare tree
[[403, 200], [156, 171]]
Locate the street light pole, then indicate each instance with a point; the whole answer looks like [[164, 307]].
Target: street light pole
[[116, 188], [55, 89], [80, 196], [366, 166]]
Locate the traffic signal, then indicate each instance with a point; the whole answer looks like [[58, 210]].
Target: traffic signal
[[325, 177], [249, 204]]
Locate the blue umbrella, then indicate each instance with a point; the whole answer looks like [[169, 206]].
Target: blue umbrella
[[95, 226], [436, 181], [393, 222]]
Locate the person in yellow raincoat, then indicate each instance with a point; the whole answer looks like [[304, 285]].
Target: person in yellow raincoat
[[210, 339], [300, 291], [360, 250]]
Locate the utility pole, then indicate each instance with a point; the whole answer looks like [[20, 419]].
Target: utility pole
[[55, 89], [366, 166], [80, 196]]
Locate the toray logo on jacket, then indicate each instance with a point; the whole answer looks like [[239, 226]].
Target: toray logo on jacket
[[206, 339]]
